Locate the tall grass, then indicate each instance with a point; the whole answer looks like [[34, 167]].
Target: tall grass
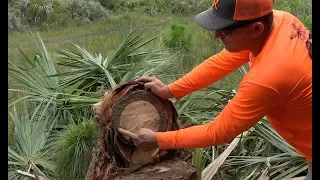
[[73, 148]]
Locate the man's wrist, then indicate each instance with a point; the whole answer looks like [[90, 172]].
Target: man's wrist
[[168, 92]]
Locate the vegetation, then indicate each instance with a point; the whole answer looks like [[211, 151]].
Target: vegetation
[[73, 149], [48, 14], [31, 150], [56, 76], [178, 37]]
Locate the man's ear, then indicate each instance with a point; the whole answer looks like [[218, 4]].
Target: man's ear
[[257, 29]]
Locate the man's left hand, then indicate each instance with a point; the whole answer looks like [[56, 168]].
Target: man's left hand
[[145, 139]]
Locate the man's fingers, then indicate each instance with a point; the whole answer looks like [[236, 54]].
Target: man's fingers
[[145, 79], [127, 133], [149, 85]]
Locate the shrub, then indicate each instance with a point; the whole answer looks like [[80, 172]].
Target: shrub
[[153, 7], [183, 7], [178, 37], [125, 5], [300, 8], [87, 10], [36, 11], [108, 3], [61, 15], [48, 14], [14, 20], [177, 6], [74, 146]]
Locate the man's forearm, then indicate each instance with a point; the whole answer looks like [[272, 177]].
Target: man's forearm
[[208, 72]]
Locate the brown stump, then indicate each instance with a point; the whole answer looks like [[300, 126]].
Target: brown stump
[[168, 169], [130, 107]]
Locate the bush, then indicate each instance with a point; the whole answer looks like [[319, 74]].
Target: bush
[[185, 6], [178, 37], [180, 6], [74, 147], [87, 10], [153, 7], [61, 15], [14, 20], [46, 14], [133, 5], [108, 3], [302, 9], [36, 11]]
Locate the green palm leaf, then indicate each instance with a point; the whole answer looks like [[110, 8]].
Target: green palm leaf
[[264, 130], [31, 76], [34, 81], [94, 73], [270, 156], [32, 141]]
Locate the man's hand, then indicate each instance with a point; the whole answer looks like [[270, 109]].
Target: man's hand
[[145, 139], [156, 87]]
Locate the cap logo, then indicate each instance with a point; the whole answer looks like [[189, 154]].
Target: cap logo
[[215, 3]]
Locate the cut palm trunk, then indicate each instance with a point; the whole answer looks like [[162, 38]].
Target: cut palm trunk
[[131, 107]]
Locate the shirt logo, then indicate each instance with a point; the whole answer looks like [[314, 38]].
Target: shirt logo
[[298, 32], [215, 3]]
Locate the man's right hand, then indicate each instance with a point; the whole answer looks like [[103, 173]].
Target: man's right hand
[[156, 86]]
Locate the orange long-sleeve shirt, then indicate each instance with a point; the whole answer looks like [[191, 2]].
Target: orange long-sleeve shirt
[[278, 86]]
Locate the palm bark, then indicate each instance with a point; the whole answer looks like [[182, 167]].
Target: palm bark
[[131, 107]]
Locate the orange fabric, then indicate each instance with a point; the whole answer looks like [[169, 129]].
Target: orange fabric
[[215, 3], [209, 71], [252, 9], [278, 86]]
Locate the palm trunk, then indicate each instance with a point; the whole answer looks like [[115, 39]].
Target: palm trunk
[[130, 107]]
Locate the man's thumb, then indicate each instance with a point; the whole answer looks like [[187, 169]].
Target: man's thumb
[[127, 133]]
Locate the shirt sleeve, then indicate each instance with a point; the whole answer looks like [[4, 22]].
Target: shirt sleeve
[[248, 106], [208, 72]]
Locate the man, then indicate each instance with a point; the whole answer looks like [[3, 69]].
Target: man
[[278, 84]]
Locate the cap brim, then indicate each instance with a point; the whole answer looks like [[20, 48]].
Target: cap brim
[[210, 21]]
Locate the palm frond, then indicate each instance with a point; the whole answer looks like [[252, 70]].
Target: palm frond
[[34, 80], [264, 130], [202, 106], [213, 167], [32, 141], [94, 73], [266, 154], [31, 75]]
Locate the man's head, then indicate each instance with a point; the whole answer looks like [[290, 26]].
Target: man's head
[[238, 23]]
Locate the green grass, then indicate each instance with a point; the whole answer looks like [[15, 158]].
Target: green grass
[[107, 29], [74, 147]]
